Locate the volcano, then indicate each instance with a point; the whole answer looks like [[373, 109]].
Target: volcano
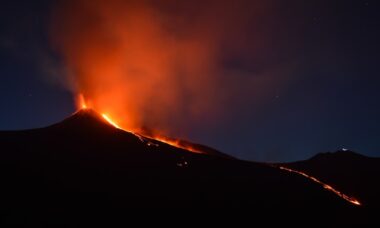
[[84, 169]]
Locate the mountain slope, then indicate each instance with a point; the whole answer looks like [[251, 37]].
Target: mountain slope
[[84, 167], [353, 173]]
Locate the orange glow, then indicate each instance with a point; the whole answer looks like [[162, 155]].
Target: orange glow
[[159, 68], [81, 102], [176, 143], [127, 60], [111, 121], [163, 139], [324, 185]]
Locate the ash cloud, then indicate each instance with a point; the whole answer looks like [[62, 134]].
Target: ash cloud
[[168, 65]]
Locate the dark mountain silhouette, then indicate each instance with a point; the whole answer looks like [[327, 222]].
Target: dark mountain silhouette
[[353, 173], [85, 170]]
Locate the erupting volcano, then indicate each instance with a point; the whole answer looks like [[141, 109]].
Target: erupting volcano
[[143, 135], [148, 77], [90, 153], [177, 143]]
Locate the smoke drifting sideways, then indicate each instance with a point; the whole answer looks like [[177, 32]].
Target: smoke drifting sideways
[[159, 65]]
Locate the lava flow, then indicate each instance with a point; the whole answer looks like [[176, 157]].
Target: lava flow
[[110, 121], [324, 185], [173, 142]]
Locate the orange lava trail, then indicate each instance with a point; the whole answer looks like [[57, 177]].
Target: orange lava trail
[[83, 105], [110, 121], [146, 139], [324, 185], [175, 143]]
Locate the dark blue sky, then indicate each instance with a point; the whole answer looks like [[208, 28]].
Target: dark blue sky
[[331, 49]]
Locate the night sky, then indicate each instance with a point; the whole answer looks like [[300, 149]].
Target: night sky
[[322, 58]]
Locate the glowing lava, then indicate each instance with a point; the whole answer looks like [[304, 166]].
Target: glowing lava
[[172, 142], [176, 143], [82, 104], [110, 121], [324, 185]]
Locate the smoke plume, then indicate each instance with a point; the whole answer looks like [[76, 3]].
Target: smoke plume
[[156, 64]]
